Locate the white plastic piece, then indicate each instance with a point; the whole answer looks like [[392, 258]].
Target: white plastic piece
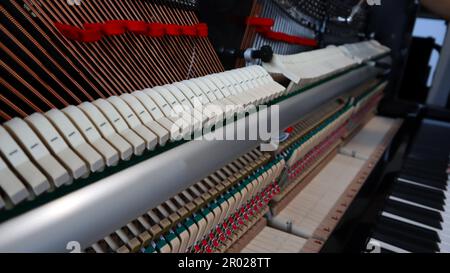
[[198, 101], [178, 108], [231, 93], [166, 108], [18, 160], [89, 131], [76, 140], [158, 116], [146, 118], [278, 88], [196, 91], [262, 88], [151, 140], [208, 87], [195, 112], [254, 87], [106, 130], [37, 151], [250, 95], [11, 185], [219, 113], [56, 144], [266, 82], [121, 126], [209, 94], [217, 84]]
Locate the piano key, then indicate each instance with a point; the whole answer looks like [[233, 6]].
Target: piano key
[[418, 237], [107, 131], [133, 122], [72, 136], [19, 161], [425, 196], [424, 216], [55, 142], [121, 126], [90, 133], [443, 240], [10, 185], [146, 118], [33, 146]]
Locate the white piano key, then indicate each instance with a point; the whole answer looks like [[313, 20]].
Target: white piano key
[[107, 131], [34, 147], [146, 118], [17, 158], [121, 126], [55, 142], [134, 123], [387, 246], [76, 140], [11, 185]]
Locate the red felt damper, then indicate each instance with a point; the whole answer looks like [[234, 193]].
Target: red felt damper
[[137, 27], [156, 30], [263, 26], [90, 35], [202, 30], [68, 31], [114, 27], [173, 30], [189, 30]]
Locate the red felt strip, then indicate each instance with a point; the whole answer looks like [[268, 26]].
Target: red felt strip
[[263, 26], [93, 32]]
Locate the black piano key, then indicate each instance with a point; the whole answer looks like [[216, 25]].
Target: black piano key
[[416, 214], [427, 173], [406, 236], [420, 195], [393, 239], [424, 181]]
